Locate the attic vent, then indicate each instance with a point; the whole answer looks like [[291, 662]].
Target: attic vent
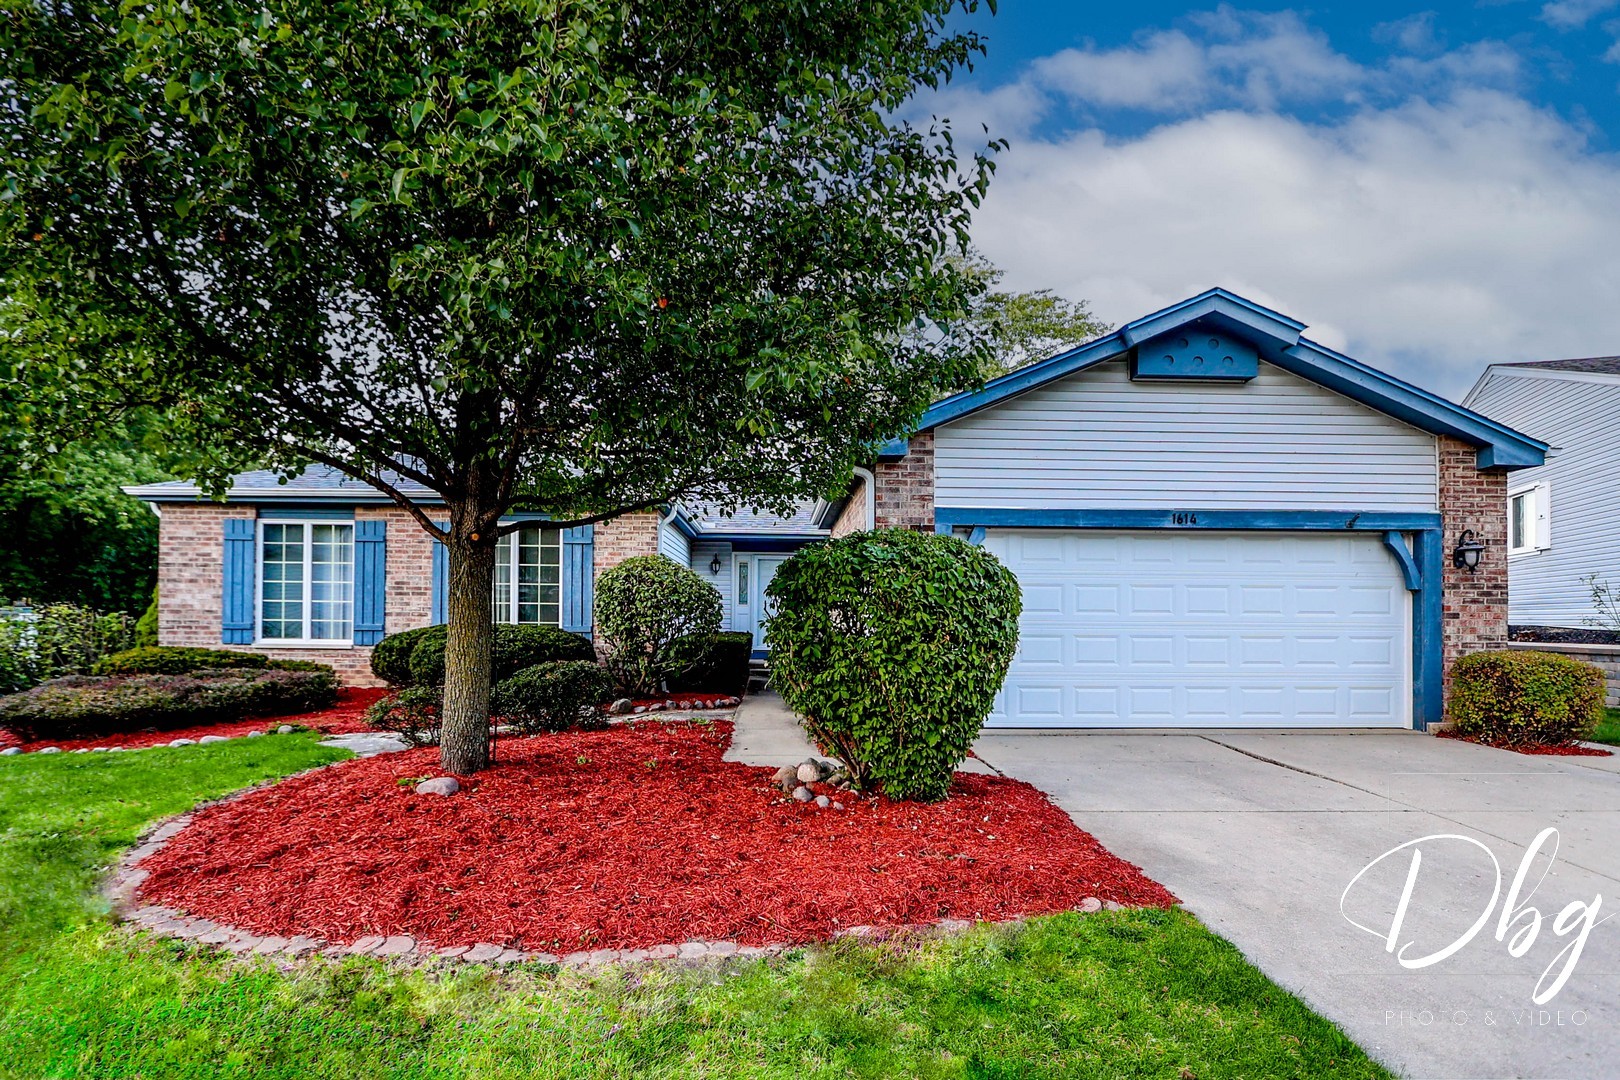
[[1195, 352]]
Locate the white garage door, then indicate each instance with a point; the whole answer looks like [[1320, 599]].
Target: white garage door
[[1196, 629]]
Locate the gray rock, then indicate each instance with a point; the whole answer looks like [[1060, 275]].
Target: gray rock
[[82, 750], [366, 944], [823, 802], [482, 954], [117, 749], [803, 794], [1113, 905], [284, 729], [623, 707], [364, 745], [1090, 904], [11, 751], [439, 785], [213, 739], [184, 742], [49, 750], [838, 806], [808, 772], [398, 945], [454, 952], [785, 775], [255, 734], [99, 750]]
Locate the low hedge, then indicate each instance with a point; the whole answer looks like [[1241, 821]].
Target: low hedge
[[721, 663], [562, 696], [183, 660], [81, 706], [1525, 697], [414, 714], [416, 657]]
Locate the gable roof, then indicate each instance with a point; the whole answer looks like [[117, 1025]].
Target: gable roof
[[1591, 365], [1278, 341]]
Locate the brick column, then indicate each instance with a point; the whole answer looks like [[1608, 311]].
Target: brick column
[[853, 517], [905, 488], [1475, 604], [623, 538], [409, 572]]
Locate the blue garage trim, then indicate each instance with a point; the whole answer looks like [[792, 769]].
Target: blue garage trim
[[1279, 343], [1396, 542], [1422, 569], [948, 518]]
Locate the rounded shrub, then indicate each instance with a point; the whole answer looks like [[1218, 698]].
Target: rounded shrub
[[892, 645], [1524, 697], [563, 695], [175, 660], [644, 607], [515, 648], [720, 663], [391, 657], [413, 714]]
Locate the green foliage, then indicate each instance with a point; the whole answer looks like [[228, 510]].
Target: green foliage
[[415, 714], [892, 645], [519, 646], [176, 660], [644, 607], [561, 696], [1605, 602], [575, 260], [1021, 328], [84, 705], [146, 627], [391, 657], [56, 640], [1525, 697], [719, 663]]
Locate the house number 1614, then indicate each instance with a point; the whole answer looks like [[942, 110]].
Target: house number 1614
[[1182, 517]]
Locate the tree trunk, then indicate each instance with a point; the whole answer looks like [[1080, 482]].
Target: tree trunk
[[468, 655]]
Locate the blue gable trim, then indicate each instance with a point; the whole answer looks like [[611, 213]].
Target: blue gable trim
[[1279, 342], [1396, 542]]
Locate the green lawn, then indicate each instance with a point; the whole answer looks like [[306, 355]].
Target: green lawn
[[1608, 730], [1138, 994]]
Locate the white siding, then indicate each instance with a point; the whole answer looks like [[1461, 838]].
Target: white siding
[[673, 544], [703, 553], [1580, 417], [1096, 440]]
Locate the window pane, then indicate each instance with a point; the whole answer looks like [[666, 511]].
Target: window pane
[[535, 576], [742, 584], [501, 600], [1516, 521], [331, 582], [282, 582]]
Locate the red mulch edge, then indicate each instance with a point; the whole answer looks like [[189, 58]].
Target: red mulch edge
[[346, 717], [632, 837], [1539, 750]]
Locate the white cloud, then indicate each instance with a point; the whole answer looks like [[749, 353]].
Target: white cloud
[[1573, 14], [1428, 238]]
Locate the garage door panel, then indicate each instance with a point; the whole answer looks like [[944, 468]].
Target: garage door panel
[[1206, 629]]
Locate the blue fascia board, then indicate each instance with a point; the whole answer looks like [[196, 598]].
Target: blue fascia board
[[1499, 446], [894, 450], [1225, 309], [948, 518], [679, 519], [745, 542], [1026, 378]]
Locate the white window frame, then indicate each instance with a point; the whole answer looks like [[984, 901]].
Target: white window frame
[[510, 542], [1538, 518], [305, 642]]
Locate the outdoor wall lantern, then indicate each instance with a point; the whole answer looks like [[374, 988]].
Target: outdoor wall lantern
[[714, 565], [1465, 556]]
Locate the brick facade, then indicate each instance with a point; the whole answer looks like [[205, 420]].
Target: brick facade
[[624, 538], [905, 488], [853, 516], [1475, 604]]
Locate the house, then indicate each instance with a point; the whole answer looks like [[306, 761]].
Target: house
[[1563, 516], [1216, 523]]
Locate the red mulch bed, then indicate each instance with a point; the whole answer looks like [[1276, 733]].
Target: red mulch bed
[[345, 717], [627, 838], [1538, 750]]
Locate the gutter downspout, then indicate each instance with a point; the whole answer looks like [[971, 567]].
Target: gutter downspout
[[870, 486]]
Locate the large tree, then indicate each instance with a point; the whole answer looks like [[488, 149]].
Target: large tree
[[578, 257], [1019, 328]]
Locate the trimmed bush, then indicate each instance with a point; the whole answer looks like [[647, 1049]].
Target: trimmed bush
[[561, 696], [719, 663], [644, 607], [146, 627], [391, 657], [176, 660], [412, 714], [892, 645], [1525, 697], [87, 705], [416, 657]]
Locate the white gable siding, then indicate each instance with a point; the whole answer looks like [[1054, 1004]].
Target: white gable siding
[[1096, 440], [1580, 416], [673, 544]]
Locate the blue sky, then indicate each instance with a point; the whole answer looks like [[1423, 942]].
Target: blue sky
[[1430, 188]]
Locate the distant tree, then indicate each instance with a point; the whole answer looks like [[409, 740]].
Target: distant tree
[[1023, 327], [579, 257]]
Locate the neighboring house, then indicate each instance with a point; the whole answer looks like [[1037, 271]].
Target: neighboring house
[[1564, 516], [1216, 523]]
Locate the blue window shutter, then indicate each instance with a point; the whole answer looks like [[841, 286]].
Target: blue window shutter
[[370, 580], [236, 609], [441, 580], [578, 575]]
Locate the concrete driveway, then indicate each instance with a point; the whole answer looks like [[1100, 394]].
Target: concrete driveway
[[1259, 834]]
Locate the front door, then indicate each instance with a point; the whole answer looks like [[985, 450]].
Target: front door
[[754, 608]]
